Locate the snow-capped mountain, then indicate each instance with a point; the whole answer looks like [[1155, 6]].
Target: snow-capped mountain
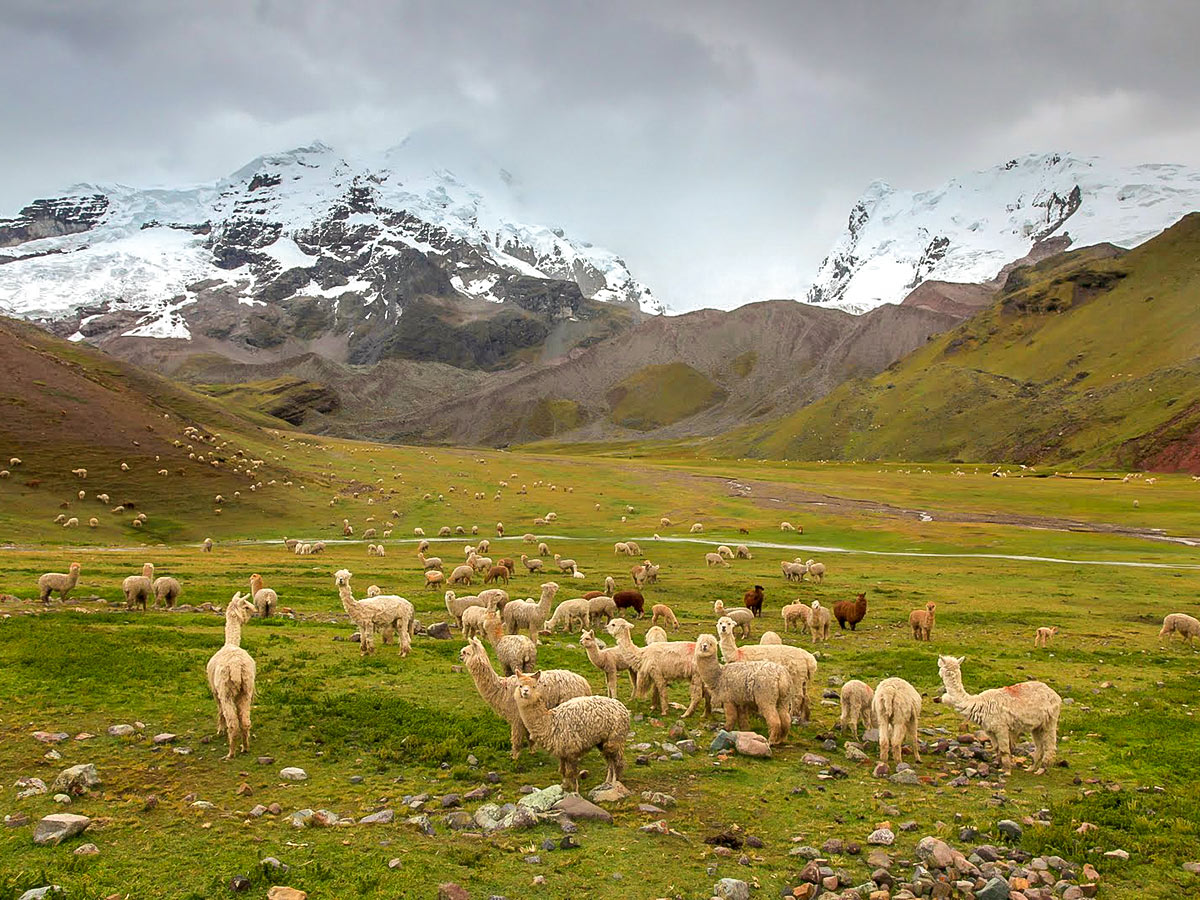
[[306, 225], [971, 227]]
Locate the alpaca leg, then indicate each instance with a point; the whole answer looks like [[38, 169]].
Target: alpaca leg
[[1003, 751], [912, 732], [571, 775], [898, 729], [1046, 740], [783, 709], [515, 739], [244, 722], [885, 743], [610, 682], [661, 684], [730, 717], [405, 640], [227, 714], [775, 730], [743, 715]]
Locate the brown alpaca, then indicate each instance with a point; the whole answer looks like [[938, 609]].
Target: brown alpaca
[[850, 611], [664, 612], [1042, 638], [753, 600], [921, 621], [496, 573]]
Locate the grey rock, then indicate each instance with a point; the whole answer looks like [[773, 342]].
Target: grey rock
[[609, 793], [935, 852], [458, 820], [301, 817], [165, 738], [293, 773], [258, 811], [120, 730], [76, 780], [356, 779], [731, 889], [1193, 867], [871, 736], [995, 889], [57, 827], [577, 808], [438, 630], [883, 837], [422, 823], [30, 787], [724, 740], [658, 798], [383, 817], [87, 850], [905, 776], [39, 893], [854, 753], [1010, 829], [270, 862], [540, 801]]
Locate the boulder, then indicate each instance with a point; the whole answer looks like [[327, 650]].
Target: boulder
[[731, 889], [576, 807], [57, 827], [76, 780]]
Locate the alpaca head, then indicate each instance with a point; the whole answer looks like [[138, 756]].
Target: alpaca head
[[148, 570], [450, 596], [950, 664], [529, 687], [550, 587], [719, 607], [725, 626], [255, 583], [616, 626], [342, 578], [816, 604], [74, 570], [588, 639], [240, 608], [374, 590], [472, 650], [930, 606], [706, 646], [809, 562]]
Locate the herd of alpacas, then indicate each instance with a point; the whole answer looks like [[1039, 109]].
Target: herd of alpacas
[[555, 709]]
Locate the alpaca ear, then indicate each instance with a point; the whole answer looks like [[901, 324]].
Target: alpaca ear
[[536, 676], [961, 660]]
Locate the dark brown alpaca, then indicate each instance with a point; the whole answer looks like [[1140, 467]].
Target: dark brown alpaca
[[630, 599], [851, 611], [753, 600]]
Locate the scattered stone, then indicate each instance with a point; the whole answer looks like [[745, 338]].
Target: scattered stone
[[576, 807], [458, 820], [854, 753], [540, 801], [731, 889], [451, 801], [77, 780], [383, 817], [813, 759], [57, 827], [270, 862], [16, 820], [884, 837], [568, 843], [87, 850], [871, 736], [278, 892], [293, 773], [265, 760], [62, 798], [120, 730], [300, 818], [239, 883], [492, 777], [995, 889], [41, 892], [750, 743], [936, 853], [659, 827], [905, 776], [422, 823], [658, 798], [1010, 829], [356, 779], [724, 740], [881, 770], [258, 811], [1193, 867], [472, 760], [165, 738], [609, 793], [52, 755], [30, 787], [395, 862], [1116, 854], [202, 804], [438, 630], [50, 737], [244, 790], [84, 736]]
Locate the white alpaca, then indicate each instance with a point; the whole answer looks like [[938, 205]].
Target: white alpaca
[[231, 673], [897, 709], [856, 706], [386, 613], [1006, 713]]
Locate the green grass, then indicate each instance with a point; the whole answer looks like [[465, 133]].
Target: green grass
[[662, 395]]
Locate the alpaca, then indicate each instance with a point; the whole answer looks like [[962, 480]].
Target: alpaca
[[207, 545], [793, 571], [516, 653], [816, 570], [610, 585], [1042, 638], [166, 591], [474, 621], [601, 607], [565, 565], [606, 659], [897, 710], [801, 665], [56, 581], [385, 613], [770, 637], [738, 686], [715, 560], [856, 706], [850, 612], [139, 588], [798, 614], [265, 599], [533, 565], [1186, 626], [629, 655], [921, 622], [818, 623], [557, 686], [231, 677], [661, 663], [525, 615], [567, 613], [743, 617], [753, 600], [573, 727], [457, 606], [664, 612], [1006, 713], [655, 634], [630, 599], [743, 552]]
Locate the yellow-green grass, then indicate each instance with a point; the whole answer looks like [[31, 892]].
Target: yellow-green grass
[[662, 395], [397, 722]]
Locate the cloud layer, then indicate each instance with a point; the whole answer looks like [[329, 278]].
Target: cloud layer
[[716, 146]]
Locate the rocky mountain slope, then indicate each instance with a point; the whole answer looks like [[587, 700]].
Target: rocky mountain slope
[[970, 228], [1090, 357], [305, 250]]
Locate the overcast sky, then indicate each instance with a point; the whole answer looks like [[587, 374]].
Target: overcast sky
[[716, 146]]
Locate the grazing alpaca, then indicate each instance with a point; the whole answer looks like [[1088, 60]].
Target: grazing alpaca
[[1006, 713], [383, 613], [741, 616], [265, 599], [753, 600], [166, 591], [231, 677], [1186, 626], [664, 612], [574, 727], [1042, 638], [818, 622], [850, 612], [740, 686], [630, 599], [897, 710], [801, 665], [921, 621], [525, 615], [497, 692], [798, 614], [856, 706], [56, 581], [139, 588]]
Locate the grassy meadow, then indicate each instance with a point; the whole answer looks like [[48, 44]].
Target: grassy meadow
[[401, 727]]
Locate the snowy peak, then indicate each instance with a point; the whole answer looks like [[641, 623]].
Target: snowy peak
[[971, 227], [304, 224]]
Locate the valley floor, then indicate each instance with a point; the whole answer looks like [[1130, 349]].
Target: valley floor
[[1005, 557]]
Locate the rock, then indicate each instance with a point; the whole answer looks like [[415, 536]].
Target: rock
[[1010, 829], [724, 740], [1090, 873], [439, 630], [908, 826], [422, 823], [750, 743], [57, 827], [659, 827], [650, 809], [202, 804], [833, 847], [905, 776], [300, 818], [30, 787], [1193, 867], [278, 892], [458, 820], [244, 790], [1116, 854], [540, 801], [50, 737], [258, 811], [293, 773], [609, 793], [16, 820], [731, 889], [753, 840], [854, 753], [239, 883], [383, 817], [87, 850], [479, 793], [452, 891], [936, 853], [77, 780], [881, 770], [811, 872], [274, 809], [813, 759], [658, 798], [451, 801], [270, 862], [265, 760], [804, 892], [871, 736], [165, 738], [577, 808], [883, 837], [62, 798], [356, 779], [52, 755], [120, 730], [995, 889], [1074, 892], [49, 890]]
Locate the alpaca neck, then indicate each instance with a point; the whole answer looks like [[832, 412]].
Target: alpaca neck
[[490, 685], [348, 602], [709, 671], [952, 679], [233, 632], [625, 642], [72, 579], [536, 717], [728, 645], [594, 653]]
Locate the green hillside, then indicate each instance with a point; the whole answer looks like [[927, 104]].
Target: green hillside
[[1090, 358]]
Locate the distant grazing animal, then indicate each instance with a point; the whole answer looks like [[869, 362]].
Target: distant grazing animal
[[714, 560], [55, 581], [850, 612], [856, 706], [1187, 627], [921, 621], [816, 570], [496, 573], [897, 710], [630, 599], [664, 612], [166, 591], [753, 600], [138, 589], [1042, 638], [798, 614], [793, 571]]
